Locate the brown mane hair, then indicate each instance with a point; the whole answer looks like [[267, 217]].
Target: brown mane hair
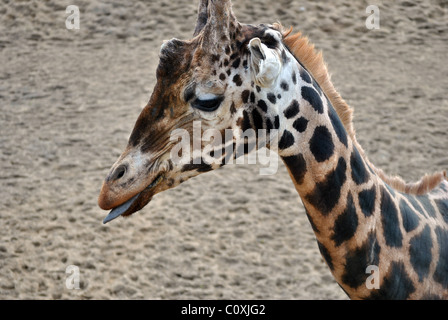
[[313, 61]]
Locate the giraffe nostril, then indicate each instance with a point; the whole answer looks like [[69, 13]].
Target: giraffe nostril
[[118, 173]]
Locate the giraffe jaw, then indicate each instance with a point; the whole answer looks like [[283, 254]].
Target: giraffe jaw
[[136, 203]]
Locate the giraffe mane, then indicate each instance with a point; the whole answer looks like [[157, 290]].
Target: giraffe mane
[[313, 61]]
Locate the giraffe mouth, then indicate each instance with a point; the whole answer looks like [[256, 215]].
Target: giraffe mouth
[[136, 203]]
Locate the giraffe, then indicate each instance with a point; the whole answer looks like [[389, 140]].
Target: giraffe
[[234, 76]]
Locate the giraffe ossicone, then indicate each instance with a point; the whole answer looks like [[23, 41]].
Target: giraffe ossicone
[[236, 77]]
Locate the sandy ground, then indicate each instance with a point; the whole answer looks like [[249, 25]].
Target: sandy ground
[[69, 100]]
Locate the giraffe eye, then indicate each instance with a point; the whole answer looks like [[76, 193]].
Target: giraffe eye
[[208, 104]]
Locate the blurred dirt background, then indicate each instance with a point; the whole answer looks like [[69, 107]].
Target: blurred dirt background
[[69, 100]]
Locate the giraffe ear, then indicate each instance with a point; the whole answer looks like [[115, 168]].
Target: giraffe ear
[[265, 63]]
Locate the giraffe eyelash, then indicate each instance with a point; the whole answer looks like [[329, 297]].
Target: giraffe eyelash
[[207, 104]]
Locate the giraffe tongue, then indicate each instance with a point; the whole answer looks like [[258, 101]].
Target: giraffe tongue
[[118, 211]]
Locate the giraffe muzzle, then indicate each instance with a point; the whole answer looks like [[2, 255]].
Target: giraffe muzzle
[[134, 204]]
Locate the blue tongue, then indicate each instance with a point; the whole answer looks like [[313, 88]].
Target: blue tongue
[[118, 211]]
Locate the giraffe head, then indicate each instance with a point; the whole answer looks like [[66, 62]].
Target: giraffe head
[[211, 81]]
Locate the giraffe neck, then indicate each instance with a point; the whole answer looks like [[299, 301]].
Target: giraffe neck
[[325, 166], [333, 180], [359, 221]]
